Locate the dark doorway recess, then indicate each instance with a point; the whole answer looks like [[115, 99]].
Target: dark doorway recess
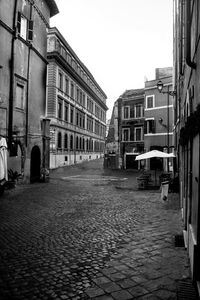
[[35, 164]]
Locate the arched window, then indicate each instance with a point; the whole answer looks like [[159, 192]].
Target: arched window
[[59, 140], [66, 141], [71, 142]]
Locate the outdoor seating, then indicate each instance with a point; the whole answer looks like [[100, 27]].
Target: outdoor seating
[[144, 180]]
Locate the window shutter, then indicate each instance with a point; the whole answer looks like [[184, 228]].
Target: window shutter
[[30, 30], [19, 22], [145, 127]]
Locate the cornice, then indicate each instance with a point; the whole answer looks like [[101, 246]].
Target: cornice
[[51, 56]]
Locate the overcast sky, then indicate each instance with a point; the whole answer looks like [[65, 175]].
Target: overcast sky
[[120, 41]]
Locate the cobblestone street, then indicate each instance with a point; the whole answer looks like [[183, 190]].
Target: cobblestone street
[[89, 233]]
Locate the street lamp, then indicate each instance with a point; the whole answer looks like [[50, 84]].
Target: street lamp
[[169, 93]]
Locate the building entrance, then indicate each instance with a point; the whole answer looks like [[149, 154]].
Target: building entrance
[[35, 164]]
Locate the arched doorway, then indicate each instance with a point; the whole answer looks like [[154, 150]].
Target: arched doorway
[[35, 164]]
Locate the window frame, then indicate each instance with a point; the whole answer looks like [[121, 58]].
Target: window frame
[[123, 134], [141, 111], [128, 112], [59, 140], [22, 100], [153, 103], [141, 135], [60, 109]]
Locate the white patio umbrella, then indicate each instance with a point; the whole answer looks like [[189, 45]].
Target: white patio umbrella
[[154, 153]]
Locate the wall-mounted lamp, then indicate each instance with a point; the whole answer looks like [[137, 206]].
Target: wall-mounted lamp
[[160, 89]]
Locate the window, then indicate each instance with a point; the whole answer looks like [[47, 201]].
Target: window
[[125, 134], [66, 141], [77, 144], [138, 134], [60, 81], [77, 94], [66, 112], [25, 27], [84, 100], [72, 90], [150, 101], [71, 142], [59, 109], [138, 111], [126, 112], [149, 126], [59, 140], [20, 96], [72, 115], [81, 98], [67, 86]]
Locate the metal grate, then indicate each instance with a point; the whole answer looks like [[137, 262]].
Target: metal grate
[[186, 290]]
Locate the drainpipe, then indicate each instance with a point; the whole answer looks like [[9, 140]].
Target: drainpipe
[[189, 62], [12, 66], [27, 87]]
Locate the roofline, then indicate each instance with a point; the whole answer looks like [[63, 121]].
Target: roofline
[[57, 32]]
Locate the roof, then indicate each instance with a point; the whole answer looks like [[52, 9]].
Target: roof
[[53, 7], [55, 30], [130, 93]]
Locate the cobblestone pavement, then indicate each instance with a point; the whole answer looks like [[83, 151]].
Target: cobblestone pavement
[[89, 234]]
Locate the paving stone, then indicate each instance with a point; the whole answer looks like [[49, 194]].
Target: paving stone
[[94, 292], [101, 280], [116, 276], [122, 295], [105, 297], [110, 287], [126, 283], [64, 235], [138, 291]]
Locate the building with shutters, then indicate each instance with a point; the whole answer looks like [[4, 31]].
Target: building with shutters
[[125, 138], [158, 113], [76, 106], [23, 65]]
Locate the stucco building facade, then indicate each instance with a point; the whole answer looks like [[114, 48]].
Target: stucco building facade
[[126, 132], [23, 63], [76, 106], [158, 113], [187, 123]]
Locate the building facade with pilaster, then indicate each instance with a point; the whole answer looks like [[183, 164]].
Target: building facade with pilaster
[[76, 106]]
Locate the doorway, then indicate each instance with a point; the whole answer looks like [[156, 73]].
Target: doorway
[[35, 164]]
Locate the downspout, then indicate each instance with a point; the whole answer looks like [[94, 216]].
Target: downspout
[[27, 88], [12, 65], [189, 62]]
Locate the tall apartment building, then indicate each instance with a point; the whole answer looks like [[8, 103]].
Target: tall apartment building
[[23, 63], [126, 132], [158, 113], [76, 106], [187, 122]]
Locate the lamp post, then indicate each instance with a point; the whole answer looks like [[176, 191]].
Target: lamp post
[[169, 93]]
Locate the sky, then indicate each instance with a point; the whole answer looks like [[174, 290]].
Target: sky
[[121, 42]]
